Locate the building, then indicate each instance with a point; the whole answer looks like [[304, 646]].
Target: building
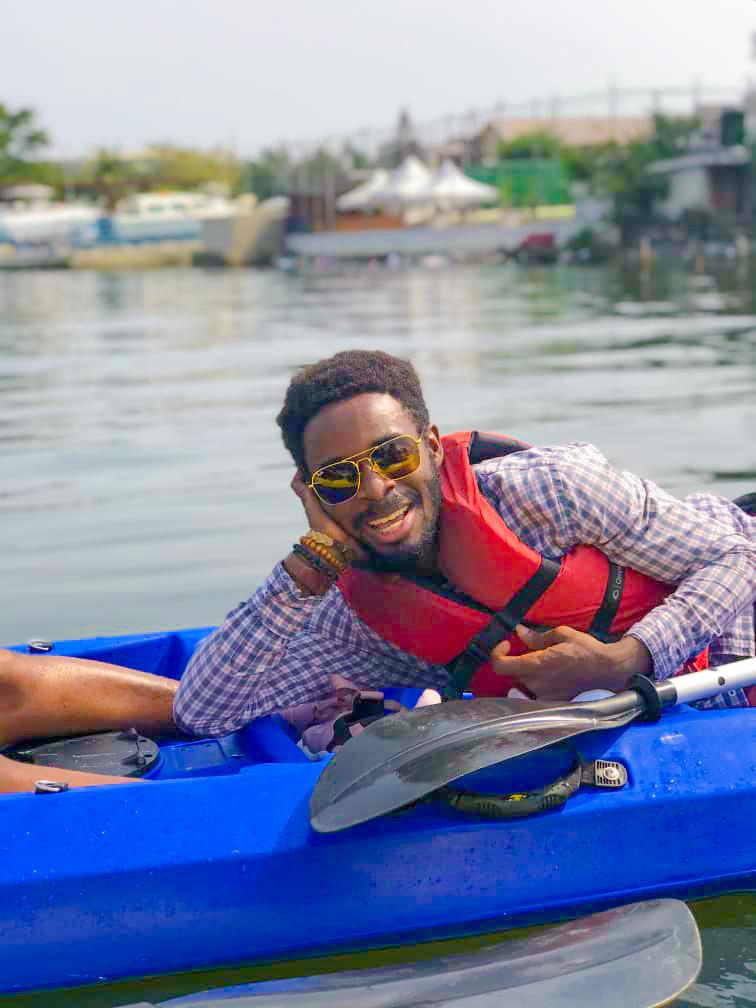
[[573, 131], [714, 174], [717, 180]]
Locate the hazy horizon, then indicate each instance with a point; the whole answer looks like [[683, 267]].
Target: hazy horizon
[[243, 76]]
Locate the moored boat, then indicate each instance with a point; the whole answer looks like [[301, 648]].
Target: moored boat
[[215, 861], [163, 216]]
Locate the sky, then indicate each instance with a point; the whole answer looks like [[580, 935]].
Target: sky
[[244, 74]]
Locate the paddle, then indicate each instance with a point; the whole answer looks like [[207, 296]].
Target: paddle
[[633, 957], [401, 758]]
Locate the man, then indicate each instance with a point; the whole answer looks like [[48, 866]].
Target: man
[[415, 542], [46, 696]]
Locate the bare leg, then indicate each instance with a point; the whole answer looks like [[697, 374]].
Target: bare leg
[[15, 776], [45, 695]]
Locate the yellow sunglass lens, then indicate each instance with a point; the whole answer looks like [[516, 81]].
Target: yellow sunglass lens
[[394, 459]]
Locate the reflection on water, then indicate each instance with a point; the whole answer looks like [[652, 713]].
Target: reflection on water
[[144, 482]]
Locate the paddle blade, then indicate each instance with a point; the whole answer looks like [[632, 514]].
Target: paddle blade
[[401, 758], [633, 957]]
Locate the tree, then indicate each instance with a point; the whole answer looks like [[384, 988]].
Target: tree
[[110, 176], [530, 146], [617, 171], [271, 174], [20, 140], [355, 159], [622, 171], [187, 168]]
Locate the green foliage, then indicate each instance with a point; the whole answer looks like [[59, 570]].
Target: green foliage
[[268, 175], [187, 168], [614, 170], [538, 145], [621, 172], [525, 182], [21, 140], [108, 175], [276, 173], [354, 158]]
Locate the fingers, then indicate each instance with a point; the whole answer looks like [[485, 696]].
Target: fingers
[[536, 640], [318, 516], [299, 486], [501, 650], [312, 508], [532, 639]]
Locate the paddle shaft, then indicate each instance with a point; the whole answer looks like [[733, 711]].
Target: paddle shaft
[[685, 688], [702, 685]]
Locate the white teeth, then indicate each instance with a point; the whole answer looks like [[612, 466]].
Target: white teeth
[[380, 522]]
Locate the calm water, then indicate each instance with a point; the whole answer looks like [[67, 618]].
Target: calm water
[[144, 483]]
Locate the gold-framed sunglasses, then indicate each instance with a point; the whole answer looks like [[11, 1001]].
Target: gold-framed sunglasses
[[393, 460]]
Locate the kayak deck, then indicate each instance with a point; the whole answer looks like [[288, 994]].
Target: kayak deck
[[214, 862]]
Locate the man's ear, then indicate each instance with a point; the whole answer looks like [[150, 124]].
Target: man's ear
[[435, 444]]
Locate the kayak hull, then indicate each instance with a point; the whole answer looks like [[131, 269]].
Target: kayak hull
[[214, 862]]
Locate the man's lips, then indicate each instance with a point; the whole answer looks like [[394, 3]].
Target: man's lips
[[388, 524], [387, 509], [389, 517]]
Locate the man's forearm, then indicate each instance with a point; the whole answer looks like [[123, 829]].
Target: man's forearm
[[703, 606]]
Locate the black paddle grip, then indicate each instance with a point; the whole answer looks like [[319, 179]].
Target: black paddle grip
[[655, 697]]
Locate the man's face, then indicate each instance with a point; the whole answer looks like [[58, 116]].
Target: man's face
[[344, 429]]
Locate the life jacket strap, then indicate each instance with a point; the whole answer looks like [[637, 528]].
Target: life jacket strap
[[483, 447], [615, 582], [501, 625]]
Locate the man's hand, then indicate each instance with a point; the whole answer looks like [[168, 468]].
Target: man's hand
[[320, 520], [563, 662]]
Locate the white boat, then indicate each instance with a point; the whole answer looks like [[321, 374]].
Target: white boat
[[163, 216], [50, 223]]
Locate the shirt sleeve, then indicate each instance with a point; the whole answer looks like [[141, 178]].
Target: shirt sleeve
[[279, 649], [573, 495]]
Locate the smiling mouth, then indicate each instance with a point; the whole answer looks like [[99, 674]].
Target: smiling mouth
[[384, 523]]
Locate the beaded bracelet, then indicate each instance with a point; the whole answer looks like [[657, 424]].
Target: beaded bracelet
[[341, 548], [320, 564], [319, 547], [307, 577], [344, 551]]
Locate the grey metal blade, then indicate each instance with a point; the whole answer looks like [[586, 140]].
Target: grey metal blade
[[405, 756]]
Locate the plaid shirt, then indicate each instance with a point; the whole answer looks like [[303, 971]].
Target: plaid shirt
[[279, 647]]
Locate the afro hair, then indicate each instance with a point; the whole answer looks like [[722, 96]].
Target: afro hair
[[344, 376]]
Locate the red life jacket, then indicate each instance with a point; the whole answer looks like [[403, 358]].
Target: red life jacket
[[493, 581]]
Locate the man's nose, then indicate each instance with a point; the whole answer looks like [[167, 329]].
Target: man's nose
[[373, 485]]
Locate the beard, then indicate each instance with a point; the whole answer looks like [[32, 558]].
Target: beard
[[408, 557]]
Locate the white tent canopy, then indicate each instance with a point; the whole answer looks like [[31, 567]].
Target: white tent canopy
[[449, 187], [403, 185], [361, 197]]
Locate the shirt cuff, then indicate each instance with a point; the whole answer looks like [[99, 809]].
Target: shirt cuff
[[281, 584], [666, 657]]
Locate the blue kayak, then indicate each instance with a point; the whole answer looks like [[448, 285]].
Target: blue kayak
[[215, 861]]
